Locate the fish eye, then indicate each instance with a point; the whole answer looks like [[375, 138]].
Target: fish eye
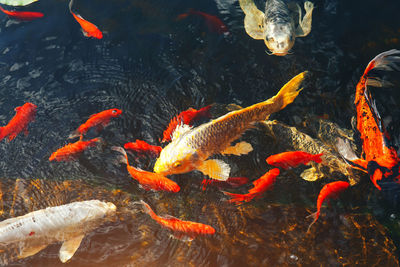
[[177, 164], [114, 111]]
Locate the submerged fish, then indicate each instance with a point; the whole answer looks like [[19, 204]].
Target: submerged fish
[[68, 223], [88, 28], [292, 159], [183, 230], [232, 181], [330, 190], [261, 185], [142, 147], [214, 23], [71, 151], [276, 26], [24, 115], [22, 15], [191, 147], [380, 158]]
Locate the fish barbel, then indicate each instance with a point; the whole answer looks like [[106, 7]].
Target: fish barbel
[[68, 223], [191, 147]]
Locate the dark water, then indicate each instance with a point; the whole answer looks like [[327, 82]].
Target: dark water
[[152, 67]]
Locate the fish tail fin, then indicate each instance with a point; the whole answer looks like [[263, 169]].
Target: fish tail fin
[[317, 158], [124, 158], [148, 209], [315, 216], [384, 61], [290, 90], [75, 134], [70, 5], [236, 198]]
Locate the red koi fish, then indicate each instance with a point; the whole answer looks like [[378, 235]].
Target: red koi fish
[[188, 117], [24, 115], [88, 28], [232, 181], [72, 151], [214, 24], [22, 15], [148, 180], [142, 147], [293, 159], [378, 153], [330, 190], [261, 185], [183, 230], [99, 120]]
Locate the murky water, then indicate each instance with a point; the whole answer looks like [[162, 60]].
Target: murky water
[[153, 66]]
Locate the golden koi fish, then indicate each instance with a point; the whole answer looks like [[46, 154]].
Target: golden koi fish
[[190, 147]]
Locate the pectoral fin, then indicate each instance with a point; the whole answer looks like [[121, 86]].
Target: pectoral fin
[[69, 248], [27, 250], [305, 24], [241, 148], [254, 19], [311, 174], [215, 169]]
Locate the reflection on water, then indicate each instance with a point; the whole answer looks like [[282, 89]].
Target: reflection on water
[[152, 67]]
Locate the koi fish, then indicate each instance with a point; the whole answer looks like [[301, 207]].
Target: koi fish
[[214, 24], [276, 26], [24, 115], [68, 223], [148, 180], [22, 15], [99, 120], [330, 190], [292, 159], [143, 147], [183, 230], [232, 181], [378, 153], [190, 147], [188, 117], [88, 28], [261, 185], [72, 151]]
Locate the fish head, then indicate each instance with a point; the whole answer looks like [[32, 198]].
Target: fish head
[[116, 112], [279, 38]]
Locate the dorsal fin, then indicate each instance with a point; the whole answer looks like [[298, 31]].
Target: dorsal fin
[[180, 130]]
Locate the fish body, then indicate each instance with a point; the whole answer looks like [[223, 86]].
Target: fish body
[[71, 151], [184, 230], [330, 190], [214, 23], [142, 147], [292, 159], [148, 180], [188, 117], [99, 120], [66, 223], [191, 147], [88, 28], [24, 115], [22, 15], [261, 185]]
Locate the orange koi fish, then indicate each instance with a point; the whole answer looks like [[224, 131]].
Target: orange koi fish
[[187, 117], [214, 24], [261, 185], [379, 158], [183, 230], [143, 147], [98, 120], [292, 159], [72, 151], [330, 190], [22, 15], [88, 28], [148, 180], [232, 181], [24, 115]]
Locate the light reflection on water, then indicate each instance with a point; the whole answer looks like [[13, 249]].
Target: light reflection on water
[[153, 67]]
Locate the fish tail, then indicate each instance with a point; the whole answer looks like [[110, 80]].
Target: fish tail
[[75, 134], [289, 91], [317, 158], [315, 216], [236, 197], [384, 61], [123, 159], [70, 5], [148, 210]]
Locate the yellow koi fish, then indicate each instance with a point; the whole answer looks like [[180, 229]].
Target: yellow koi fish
[[190, 147]]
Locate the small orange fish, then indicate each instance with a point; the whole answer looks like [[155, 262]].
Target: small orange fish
[[22, 15], [98, 120], [330, 190], [72, 151], [148, 180], [88, 28], [232, 181], [213, 23], [189, 117], [142, 147], [183, 230], [24, 115], [293, 159], [261, 185]]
